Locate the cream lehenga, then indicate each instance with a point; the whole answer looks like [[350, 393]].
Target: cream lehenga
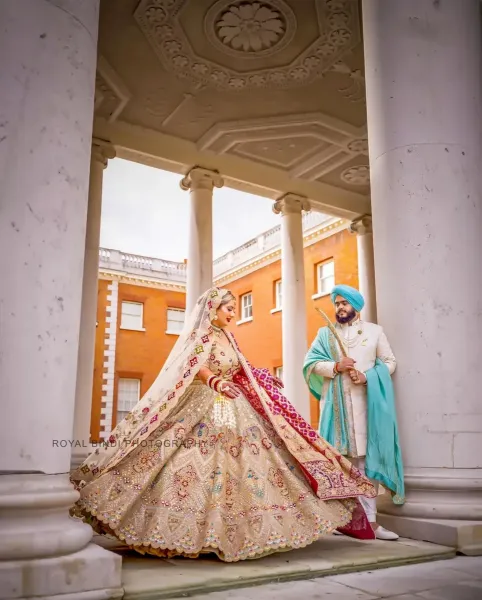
[[189, 472]]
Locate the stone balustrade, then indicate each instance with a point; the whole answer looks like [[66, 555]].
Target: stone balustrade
[[117, 261]]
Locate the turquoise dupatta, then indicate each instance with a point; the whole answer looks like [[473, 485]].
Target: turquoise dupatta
[[384, 458]]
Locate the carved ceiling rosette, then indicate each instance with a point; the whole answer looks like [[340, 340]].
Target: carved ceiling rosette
[[242, 32], [356, 175], [358, 146], [250, 28]]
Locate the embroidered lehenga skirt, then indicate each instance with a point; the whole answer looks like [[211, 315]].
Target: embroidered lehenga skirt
[[194, 487]]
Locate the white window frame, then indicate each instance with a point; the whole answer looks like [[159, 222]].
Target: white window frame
[[279, 372], [278, 296], [246, 309], [319, 278], [121, 414], [170, 330], [124, 324]]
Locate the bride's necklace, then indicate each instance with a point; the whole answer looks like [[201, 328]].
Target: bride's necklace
[[218, 332], [220, 335]]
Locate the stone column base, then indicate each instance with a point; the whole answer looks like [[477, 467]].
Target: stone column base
[[464, 536], [90, 574]]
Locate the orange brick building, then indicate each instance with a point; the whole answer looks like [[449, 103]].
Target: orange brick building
[[141, 309]]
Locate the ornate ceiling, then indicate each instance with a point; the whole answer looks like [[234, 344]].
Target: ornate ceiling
[[267, 91]]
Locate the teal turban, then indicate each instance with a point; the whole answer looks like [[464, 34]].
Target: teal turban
[[351, 295]]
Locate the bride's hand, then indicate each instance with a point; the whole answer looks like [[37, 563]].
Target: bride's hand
[[229, 389]]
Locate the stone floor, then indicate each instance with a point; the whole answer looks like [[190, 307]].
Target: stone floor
[[315, 570], [455, 579]]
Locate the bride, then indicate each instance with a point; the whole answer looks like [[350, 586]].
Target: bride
[[214, 459]]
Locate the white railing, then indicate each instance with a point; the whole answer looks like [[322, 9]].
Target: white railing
[[267, 242], [155, 268]]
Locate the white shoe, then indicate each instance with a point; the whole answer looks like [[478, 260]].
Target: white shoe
[[336, 532], [384, 534]]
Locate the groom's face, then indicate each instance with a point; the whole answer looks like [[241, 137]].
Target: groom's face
[[345, 313]]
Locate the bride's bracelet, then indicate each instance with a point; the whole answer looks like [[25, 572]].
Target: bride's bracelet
[[214, 382]]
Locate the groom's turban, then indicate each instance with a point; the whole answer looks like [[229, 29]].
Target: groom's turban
[[351, 295]]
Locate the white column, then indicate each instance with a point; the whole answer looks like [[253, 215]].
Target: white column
[[293, 317], [423, 76], [200, 183], [101, 152], [47, 77], [366, 266]]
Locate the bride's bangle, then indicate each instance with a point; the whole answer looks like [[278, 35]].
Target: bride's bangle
[[213, 382]]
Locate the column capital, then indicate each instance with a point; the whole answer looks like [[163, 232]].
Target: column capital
[[291, 204], [362, 225], [102, 151], [201, 179]]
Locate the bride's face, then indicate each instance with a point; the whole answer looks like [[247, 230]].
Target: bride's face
[[225, 314]]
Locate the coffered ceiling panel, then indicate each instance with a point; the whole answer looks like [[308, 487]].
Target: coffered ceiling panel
[[240, 44], [276, 82], [282, 152]]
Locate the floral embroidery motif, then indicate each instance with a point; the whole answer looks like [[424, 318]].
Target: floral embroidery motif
[[275, 477], [179, 433], [184, 478], [256, 488], [216, 478]]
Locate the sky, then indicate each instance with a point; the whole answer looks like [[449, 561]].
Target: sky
[[144, 211]]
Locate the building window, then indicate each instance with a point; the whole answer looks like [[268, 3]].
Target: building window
[[326, 277], [175, 320], [132, 315], [278, 294], [128, 393], [246, 307], [279, 372]]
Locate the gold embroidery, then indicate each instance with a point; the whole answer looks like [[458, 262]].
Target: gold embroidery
[[350, 448]]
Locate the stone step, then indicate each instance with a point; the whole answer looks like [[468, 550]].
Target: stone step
[[151, 578]]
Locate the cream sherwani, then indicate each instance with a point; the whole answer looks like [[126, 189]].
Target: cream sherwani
[[364, 342]]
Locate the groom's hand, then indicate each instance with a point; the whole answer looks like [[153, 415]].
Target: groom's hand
[[358, 378], [345, 364]]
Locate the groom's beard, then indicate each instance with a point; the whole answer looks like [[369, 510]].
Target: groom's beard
[[350, 316]]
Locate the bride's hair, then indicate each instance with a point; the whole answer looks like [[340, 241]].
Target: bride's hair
[[228, 297]]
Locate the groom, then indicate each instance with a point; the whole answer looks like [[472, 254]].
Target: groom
[[348, 368]]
